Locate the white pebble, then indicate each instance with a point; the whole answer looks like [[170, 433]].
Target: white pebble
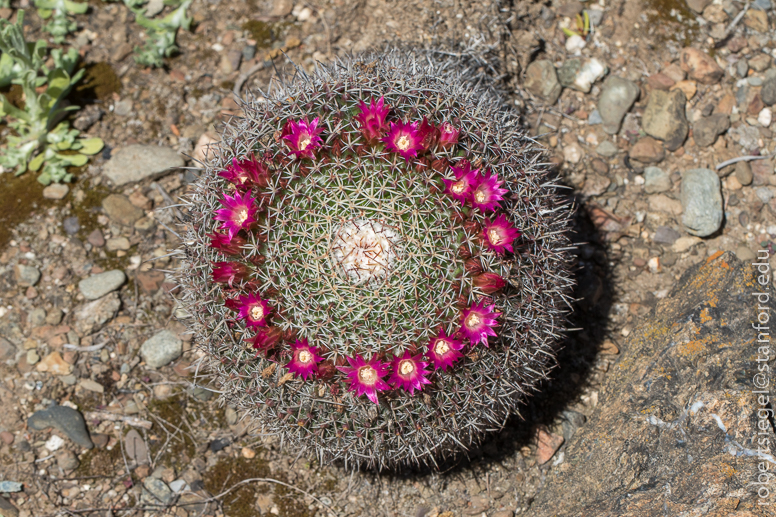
[[638, 180], [764, 118], [575, 43], [54, 443]]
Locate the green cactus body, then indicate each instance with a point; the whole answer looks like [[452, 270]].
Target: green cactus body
[[377, 261]]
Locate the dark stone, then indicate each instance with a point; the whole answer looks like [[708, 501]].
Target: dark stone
[[66, 419], [220, 444], [678, 409]]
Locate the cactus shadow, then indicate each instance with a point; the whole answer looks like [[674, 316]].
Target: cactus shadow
[[550, 405]]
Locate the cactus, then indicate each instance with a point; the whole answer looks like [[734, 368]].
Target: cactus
[[377, 262]]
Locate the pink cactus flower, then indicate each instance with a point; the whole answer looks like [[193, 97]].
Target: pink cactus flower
[[266, 338], [246, 173], [365, 378], [500, 234], [372, 119], [253, 310], [444, 350], [448, 135], [477, 323], [486, 192], [489, 283], [229, 272], [239, 213], [302, 137], [227, 246], [428, 135], [305, 359], [460, 189], [404, 139], [408, 372]]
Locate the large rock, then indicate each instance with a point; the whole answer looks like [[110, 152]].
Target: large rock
[[97, 286], [616, 99], [706, 130], [161, 349], [66, 419], [138, 162], [542, 80], [580, 74], [677, 426], [701, 202], [92, 316], [665, 119]]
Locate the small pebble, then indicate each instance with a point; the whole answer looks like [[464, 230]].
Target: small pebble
[[71, 225]]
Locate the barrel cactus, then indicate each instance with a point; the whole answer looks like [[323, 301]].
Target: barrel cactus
[[377, 261]]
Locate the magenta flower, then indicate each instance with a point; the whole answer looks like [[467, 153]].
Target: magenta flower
[[404, 139], [486, 193], [409, 373], [225, 245], [443, 350], [428, 135], [239, 213], [365, 378], [372, 119], [253, 310], [229, 272], [266, 338], [477, 323], [460, 189], [448, 135], [304, 362], [246, 173], [302, 137], [499, 234], [489, 283]]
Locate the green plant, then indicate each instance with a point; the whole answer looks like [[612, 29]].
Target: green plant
[[58, 11], [377, 261], [38, 126], [582, 26], [160, 42]]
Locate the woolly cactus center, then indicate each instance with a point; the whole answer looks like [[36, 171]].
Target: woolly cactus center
[[364, 250], [406, 367], [367, 375]]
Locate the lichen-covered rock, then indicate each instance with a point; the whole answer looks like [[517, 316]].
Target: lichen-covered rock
[[677, 427]]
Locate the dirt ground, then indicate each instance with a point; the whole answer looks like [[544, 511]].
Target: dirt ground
[[182, 437]]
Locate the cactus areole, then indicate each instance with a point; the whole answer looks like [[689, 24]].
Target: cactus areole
[[377, 261]]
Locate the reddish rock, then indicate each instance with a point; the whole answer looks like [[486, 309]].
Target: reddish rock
[[150, 281], [54, 364], [660, 81], [756, 106], [6, 437], [648, 150], [182, 369], [725, 104], [700, 66], [548, 444], [96, 238], [736, 44], [46, 332]]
